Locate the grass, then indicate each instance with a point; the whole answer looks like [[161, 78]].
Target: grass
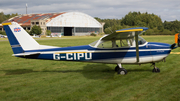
[[44, 80]]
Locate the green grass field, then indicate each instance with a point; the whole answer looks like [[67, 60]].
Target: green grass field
[[45, 80]]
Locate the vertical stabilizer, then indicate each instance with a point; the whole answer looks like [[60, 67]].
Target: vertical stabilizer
[[19, 39]]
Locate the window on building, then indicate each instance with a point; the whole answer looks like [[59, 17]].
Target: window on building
[[87, 30], [55, 29]]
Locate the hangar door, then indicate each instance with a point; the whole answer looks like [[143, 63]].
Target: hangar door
[[68, 31]]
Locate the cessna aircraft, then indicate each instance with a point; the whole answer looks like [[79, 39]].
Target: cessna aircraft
[[125, 46]]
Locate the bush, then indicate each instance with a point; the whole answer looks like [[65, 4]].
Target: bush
[[149, 32], [92, 34], [43, 36], [101, 34], [3, 32], [167, 32]]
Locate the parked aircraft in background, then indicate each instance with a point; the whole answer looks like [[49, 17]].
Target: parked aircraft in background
[[3, 36], [125, 46]]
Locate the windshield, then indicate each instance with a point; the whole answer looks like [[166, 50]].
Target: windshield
[[141, 40], [94, 43]]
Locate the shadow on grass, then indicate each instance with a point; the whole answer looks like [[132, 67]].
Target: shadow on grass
[[139, 70], [25, 71], [90, 71], [17, 71], [98, 71]]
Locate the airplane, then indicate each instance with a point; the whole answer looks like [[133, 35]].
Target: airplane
[[124, 46]]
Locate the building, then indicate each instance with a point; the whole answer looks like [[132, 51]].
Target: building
[[65, 23]]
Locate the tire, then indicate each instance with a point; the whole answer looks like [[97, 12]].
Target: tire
[[122, 71], [156, 70]]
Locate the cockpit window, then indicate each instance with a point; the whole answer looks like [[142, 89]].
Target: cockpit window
[[118, 43]]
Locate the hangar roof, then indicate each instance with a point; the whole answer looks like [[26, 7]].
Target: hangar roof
[[25, 19], [65, 19], [74, 19]]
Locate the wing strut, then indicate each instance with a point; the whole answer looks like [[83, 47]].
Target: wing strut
[[137, 47]]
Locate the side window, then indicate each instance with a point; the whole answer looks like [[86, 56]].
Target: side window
[[116, 43], [106, 44], [123, 43]]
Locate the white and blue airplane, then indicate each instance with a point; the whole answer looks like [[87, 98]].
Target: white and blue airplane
[[125, 46]]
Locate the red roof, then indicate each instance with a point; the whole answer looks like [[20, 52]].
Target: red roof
[[25, 19]]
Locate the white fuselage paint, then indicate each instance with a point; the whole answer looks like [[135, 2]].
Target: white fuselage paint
[[78, 56]]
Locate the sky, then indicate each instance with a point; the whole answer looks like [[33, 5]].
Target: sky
[[168, 10]]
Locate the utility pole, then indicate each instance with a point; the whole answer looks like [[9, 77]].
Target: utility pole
[[26, 8]]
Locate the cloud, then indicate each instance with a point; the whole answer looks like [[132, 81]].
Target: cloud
[[166, 9]]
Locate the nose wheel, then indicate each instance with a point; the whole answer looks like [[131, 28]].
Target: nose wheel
[[120, 70], [155, 70]]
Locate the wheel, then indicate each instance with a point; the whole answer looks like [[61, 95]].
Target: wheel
[[116, 68], [156, 70], [122, 71]]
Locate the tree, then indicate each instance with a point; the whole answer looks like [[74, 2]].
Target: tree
[[36, 30], [48, 32], [172, 26], [142, 19], [4, 17]]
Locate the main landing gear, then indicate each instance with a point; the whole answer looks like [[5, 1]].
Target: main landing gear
[[120, 70], [155, 70]]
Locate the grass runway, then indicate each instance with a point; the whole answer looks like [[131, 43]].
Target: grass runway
[[45, 80]]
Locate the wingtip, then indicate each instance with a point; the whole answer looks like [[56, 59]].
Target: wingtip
[[8, 23]]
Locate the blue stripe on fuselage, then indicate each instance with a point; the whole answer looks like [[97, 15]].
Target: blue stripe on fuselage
[[100, 53], [161, 48]]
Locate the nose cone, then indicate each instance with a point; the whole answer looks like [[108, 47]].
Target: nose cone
[[173, 46]]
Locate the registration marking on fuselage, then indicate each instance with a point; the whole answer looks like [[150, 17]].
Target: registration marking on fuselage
[[79, 56]]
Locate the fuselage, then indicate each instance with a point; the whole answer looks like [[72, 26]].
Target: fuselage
[[149, 52]]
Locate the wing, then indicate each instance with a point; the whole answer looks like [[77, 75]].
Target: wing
[[127, 34]]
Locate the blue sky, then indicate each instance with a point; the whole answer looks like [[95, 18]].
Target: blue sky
[[167, 9]]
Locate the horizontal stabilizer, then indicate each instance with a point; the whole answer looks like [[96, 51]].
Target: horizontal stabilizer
[[26, 54]]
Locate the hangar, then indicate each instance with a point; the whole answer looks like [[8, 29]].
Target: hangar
[[65, 23]]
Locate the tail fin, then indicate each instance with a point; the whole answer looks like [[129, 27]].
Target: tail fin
[[19, 39]]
